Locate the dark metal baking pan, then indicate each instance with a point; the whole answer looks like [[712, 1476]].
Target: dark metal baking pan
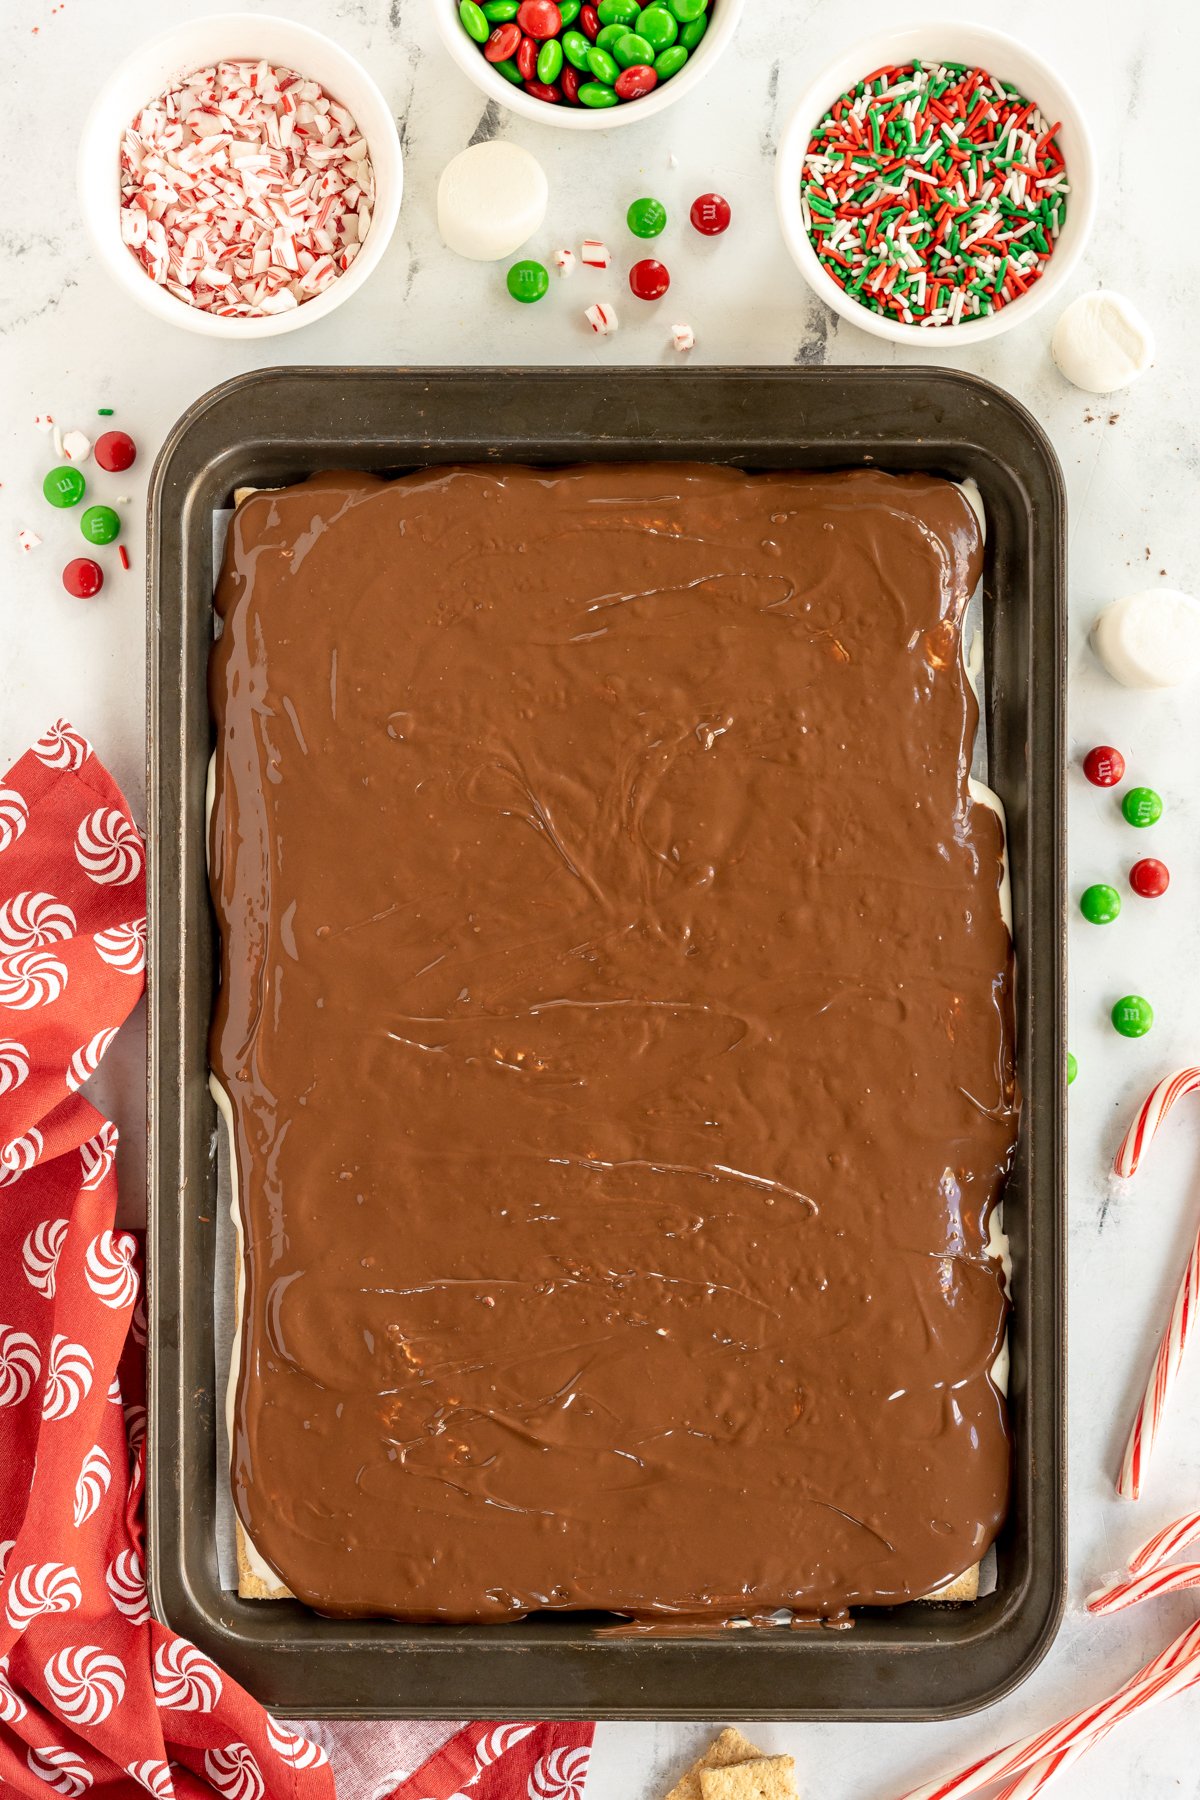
[[278, 426]]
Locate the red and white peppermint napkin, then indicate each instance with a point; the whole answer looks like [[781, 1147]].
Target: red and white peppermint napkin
[[94, 1694]]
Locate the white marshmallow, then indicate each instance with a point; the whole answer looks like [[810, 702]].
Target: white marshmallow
[[491, 198], [1150, 639], [1102, 342]]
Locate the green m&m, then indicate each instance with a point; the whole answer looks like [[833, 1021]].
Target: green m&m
[[528, 281], [1142, 806], [619, 12], [632, 51], [1072, 1068], [658, 26], [64, 486], [1100, 904], [646, 217], [669, 62], [1132, 1016], [550, 61], [474, 21], [691, 33], [602, 66], [597, 94], [100, 525], [688, 11]]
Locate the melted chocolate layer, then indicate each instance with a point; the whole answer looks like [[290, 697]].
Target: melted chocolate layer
[[616, 1013]]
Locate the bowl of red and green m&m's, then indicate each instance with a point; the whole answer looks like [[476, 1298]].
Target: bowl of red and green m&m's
[[586, 65], [936, 185]]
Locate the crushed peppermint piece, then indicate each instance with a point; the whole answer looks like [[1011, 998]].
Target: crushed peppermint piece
[[683, 337], [593, 254], [245, 189], [564, 263], [602, 318], [44, 421], [77, 447], [934, 193], [28, 540]]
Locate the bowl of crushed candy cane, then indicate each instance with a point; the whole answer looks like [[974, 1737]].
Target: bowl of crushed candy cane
[[241, 176], [936, 185]]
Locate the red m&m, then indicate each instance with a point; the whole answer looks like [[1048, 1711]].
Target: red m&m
[[711, 214], [1104, 766], [649, 279], [115, 451], [504, 42], [633, 82], [83, 578], [1150, 878], [540, 18]]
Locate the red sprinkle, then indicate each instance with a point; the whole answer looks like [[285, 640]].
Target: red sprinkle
[[503, 42], [649, 279], [635, 81], [1104, 766], [123, 553], [1149, 878], [83, 578]]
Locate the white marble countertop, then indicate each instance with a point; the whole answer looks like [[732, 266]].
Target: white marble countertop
[[70, 342]]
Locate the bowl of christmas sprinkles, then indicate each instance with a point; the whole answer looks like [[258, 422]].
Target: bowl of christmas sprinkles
[[241, 176], [936, 184], [586, 65]]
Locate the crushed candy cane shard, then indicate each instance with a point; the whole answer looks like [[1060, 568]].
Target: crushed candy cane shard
[[602, 318], [28, 540], [683, 337], [77, 446], [245, 190], [593, 254], [564, 263]]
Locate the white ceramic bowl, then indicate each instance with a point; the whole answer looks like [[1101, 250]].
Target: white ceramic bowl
[[150, 70], [1001, 55], [471, 60]]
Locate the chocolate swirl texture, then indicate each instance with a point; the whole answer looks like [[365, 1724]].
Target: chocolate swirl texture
[[616, 1013]]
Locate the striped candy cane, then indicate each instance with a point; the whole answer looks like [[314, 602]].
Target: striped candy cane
[[1176, 1536], [1168, 1362], [1176, 1670], [1148, 1576], [1027, 1766]]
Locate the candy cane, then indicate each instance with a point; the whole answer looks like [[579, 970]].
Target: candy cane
[[1168, 1362], [1180, 1662], [1147, 1576], [1027, 1766], [1176, 1536], [1144, 1587], [1177, 1668]]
